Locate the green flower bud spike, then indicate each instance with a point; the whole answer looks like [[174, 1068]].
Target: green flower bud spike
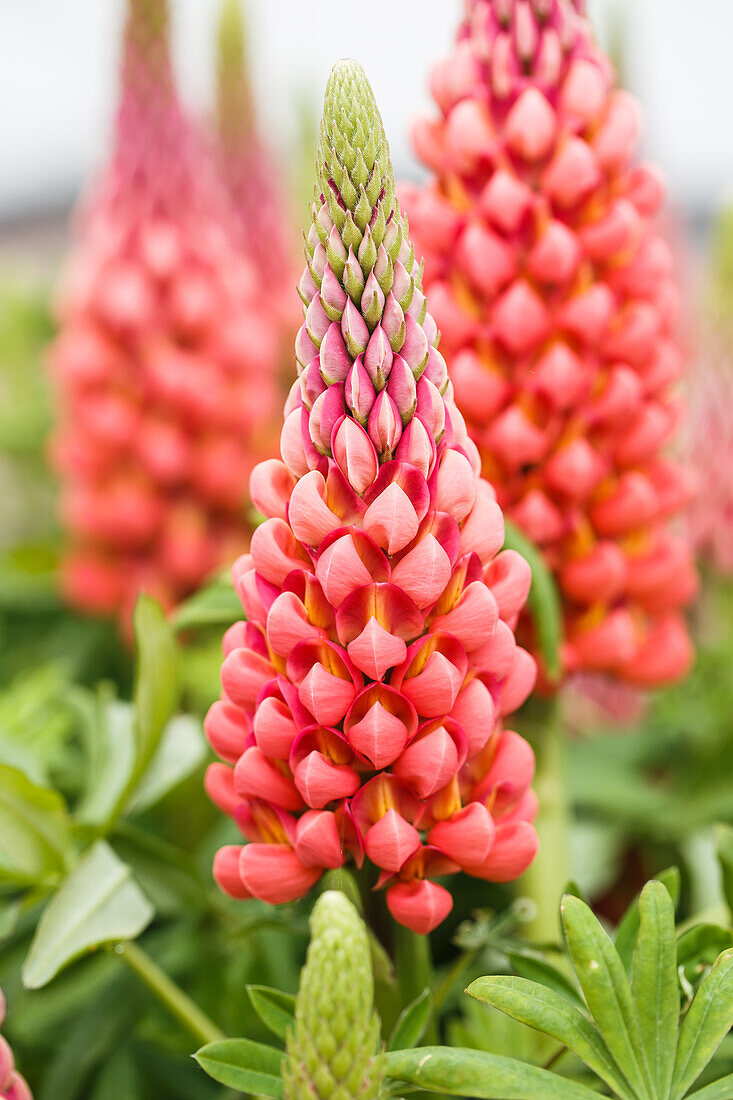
[[334, 1050]]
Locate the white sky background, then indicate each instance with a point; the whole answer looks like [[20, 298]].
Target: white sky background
[[58, 78]]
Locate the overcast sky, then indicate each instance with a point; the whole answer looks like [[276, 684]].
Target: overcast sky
[[58, 78]]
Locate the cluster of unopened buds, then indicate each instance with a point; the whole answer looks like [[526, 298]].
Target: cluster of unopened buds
[[13, 1085], [363, 698], [165, 363], [557, 303]]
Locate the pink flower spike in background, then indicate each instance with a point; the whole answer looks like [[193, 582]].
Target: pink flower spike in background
[[251, 176], [165, 365], [557, 303], [12, 1084], [363, 699]]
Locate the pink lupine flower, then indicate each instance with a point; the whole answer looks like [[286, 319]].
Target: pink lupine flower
[[165, 362], [556, 299], [362, 702], [13, 1086], [251, 177]]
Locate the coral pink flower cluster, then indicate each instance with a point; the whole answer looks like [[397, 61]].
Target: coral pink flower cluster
[[557, 305], [165, 363], [13, 1085], [362, 699]]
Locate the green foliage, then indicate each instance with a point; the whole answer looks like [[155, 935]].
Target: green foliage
[[637, 1034], [98, 903]]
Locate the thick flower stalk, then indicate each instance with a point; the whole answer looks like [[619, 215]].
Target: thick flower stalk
[[13, 1085], [334, 1050], [165, 362], [249, 172], [362, 699], [557, 304]]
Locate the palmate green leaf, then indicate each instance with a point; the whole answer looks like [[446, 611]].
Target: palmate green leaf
[[412, 1023], [34, 830], [472, 1073], [708, 1020], [628, 929], [99, 902], [180, 751], [701, 944], [607, 991], [654, 983], [554, 1015], [721, 1089], [110, 733], [542, 972], [544, 600], [156, 686], [244, 1065], [275, 1008]]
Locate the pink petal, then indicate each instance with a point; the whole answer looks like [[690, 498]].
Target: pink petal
[[226, 872], [420, 905], [483, 530], [423, 573], [256, 776], [270, 486], [391, 519], [466, 837], [320, 782], [519, 683], [317, 840], [391, 841], [375, 650], [429, 762], [475, 713], [228, 729], [355, 454], [274, 728], [515, 846], [273, 873]]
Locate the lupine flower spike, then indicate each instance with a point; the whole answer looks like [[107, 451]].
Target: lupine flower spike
[[557, 303], [249, 173], [362, 700], [334, 1050], [13, 1085], [165, 363]]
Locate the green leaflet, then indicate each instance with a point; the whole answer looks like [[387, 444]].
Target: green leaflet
[[459, 1072], [412, 1023], [274, 1008], [708, 1020], [244, 1065], [552, 1014], [654, 983], [99, 902], [34, 830], [607, 991]]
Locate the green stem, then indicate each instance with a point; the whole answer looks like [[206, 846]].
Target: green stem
[[547, 877], [414, 966], [170, 995]]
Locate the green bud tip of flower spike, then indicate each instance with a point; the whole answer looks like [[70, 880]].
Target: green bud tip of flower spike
[[334, 1049], [356, 179]]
